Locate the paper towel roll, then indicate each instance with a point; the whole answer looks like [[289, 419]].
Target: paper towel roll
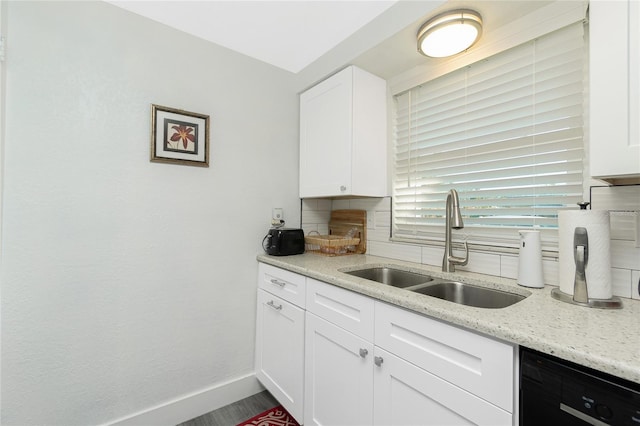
[[598, 270]]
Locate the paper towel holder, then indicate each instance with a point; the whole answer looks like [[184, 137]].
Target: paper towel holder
[[580, 294]]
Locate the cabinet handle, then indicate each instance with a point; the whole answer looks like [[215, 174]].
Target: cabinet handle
[[277, 282], [273, 305], [378, 360], [363, 352], [343, 188]]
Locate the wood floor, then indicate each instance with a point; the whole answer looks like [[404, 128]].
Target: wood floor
[[235, 413]]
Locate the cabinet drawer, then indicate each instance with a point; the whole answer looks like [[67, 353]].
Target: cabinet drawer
[[476, 363], [284, 284], [351, 311]]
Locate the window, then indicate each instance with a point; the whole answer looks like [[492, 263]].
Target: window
[[505, 132]]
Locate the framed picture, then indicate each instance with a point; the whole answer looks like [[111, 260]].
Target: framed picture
[[179, 137]]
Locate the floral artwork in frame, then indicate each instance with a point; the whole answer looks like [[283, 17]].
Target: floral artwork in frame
[[179, 137]]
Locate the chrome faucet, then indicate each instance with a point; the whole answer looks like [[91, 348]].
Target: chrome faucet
[[453, 220]]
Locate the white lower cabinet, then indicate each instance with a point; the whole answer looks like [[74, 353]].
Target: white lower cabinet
[[338, 356], [279, 361], [284, 284], [339, 377], [408, 395], [358, 361], [479, 364]]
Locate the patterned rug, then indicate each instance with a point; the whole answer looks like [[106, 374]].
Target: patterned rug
[[276, 416]]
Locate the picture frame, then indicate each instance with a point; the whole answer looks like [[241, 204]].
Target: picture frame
[[179, 136]]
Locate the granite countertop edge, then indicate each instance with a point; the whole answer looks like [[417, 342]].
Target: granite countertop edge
[[605, 340]]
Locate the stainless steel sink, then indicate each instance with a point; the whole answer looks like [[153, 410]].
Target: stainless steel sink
[[390, 276], [470, 295], [452, 291]]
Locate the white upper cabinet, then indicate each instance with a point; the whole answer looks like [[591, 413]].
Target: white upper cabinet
[[614, 87], [343, 136]]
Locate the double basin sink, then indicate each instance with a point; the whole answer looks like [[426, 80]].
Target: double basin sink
[[452, 291]]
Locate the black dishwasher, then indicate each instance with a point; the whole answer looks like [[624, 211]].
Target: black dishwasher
[[558, 392]]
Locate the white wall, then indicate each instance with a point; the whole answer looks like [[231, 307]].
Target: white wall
[[128, 284]]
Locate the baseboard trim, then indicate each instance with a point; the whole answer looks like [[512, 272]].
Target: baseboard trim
[[195, 404]]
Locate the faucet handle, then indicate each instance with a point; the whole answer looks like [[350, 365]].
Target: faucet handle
[[460, 260], [466, 253]]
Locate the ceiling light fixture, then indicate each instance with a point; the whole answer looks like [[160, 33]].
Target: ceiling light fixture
[[449, 33]]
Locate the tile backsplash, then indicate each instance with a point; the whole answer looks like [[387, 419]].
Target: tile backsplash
[[623, 202]]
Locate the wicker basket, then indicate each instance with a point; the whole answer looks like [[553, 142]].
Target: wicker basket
[[330, 245]]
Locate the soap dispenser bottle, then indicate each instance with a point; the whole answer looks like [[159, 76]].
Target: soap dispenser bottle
[[530, 260]]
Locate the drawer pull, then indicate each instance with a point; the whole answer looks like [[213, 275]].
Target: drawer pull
[[363, 352], [277, 282], [273, 305], [378, 360]]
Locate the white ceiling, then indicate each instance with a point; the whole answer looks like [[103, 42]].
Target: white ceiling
[[288, 34], [315, 38], [398, 52]]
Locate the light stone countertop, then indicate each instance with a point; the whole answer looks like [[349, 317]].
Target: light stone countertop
[[606, 340]]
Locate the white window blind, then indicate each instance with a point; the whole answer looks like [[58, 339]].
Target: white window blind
[[505, 132]]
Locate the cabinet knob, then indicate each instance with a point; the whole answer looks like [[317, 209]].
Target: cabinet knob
[[378, 360], [343, 188], [363, 352], [274, 306]]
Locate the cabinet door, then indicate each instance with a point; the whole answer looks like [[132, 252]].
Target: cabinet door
[[343, 136], [325, 137], [338, 375], [280, 351], [479, 364], [613, 75], [634, 76], [369, 151], [407, 395]]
